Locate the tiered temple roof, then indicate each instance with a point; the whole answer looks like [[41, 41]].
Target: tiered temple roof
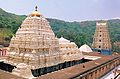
[[85, 48], [101, 38], [34, 44], [69, 50], [101, 42]]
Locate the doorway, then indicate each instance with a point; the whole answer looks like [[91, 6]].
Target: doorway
[[99, 50]]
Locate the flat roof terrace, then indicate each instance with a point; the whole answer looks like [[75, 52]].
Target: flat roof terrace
[[78, 70]]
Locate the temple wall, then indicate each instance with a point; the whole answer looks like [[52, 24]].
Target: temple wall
[[98, 72]]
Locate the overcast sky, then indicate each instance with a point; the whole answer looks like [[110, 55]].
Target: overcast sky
[[68, 10]]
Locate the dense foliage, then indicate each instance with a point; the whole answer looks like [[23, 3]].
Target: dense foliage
[[79, 32], [9, 23]]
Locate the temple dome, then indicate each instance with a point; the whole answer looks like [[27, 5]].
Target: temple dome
[[35, 13], [63, 40], [85, 48]]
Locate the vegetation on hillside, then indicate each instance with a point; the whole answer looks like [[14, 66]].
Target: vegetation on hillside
[[9, 23], [79, 32]]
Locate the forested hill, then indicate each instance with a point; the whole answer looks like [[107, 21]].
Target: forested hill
[[83, 32], [79, 32], [9, 23]]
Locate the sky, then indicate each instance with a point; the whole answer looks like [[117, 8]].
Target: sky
[[68, 10]]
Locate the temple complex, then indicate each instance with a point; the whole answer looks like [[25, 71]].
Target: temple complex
[[101, 42], [35, 51], [36, 46]]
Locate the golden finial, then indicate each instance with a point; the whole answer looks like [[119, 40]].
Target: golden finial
[[36, 8], [35, 13]]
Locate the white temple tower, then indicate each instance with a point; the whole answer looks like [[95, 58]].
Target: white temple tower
[[35, 44], [101, 41]]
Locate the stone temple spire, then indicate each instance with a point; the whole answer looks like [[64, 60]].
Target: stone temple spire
[[101, 41], [38, 43]]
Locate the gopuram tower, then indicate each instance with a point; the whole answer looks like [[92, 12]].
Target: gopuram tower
[[34, 44], [101, 42]]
